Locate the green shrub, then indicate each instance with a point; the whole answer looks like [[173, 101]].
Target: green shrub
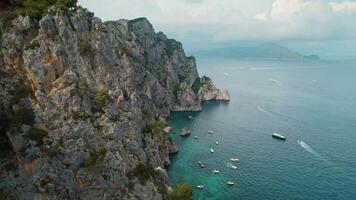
[[197, 85], [32, 45], [21, 91], [24, 116], [146, 111], [84, 46], [36, 135], [79, 116], [52, 150], [182, 191], [101, 98], [143, 172], [65, 4], [39, 8], [83, 86], [96, 158]]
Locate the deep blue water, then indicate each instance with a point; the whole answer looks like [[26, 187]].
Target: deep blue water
[[312, 102]]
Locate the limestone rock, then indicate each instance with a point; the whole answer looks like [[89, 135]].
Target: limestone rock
[[185, 132]]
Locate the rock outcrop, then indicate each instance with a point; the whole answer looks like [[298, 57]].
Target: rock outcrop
[[82, 106], [185, 132], [208, 91]]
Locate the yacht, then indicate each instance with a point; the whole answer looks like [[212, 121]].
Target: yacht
[[215, 171], [230, 183], [200, 186], [279, 136], [229, 165]]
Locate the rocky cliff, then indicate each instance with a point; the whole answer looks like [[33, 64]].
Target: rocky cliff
[[83, 106]]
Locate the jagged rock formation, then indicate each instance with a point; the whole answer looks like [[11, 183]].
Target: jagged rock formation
[[82, 106], [208, 91]]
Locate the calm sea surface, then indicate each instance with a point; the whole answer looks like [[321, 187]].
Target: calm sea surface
[[310, 102]]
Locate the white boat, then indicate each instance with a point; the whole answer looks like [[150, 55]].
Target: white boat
[[190, 117], [212, 150], [200, 186], [211, 132], [229, 165], [279, 136], [234, 159], [217, 143], [215, 171], [230, 183], [195, 137]]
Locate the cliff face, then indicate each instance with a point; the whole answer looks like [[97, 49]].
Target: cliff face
[[82, 106]]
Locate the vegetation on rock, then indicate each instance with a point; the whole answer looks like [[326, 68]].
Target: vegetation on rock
[[96, 158], [21, 91], [197, 85], [83, 86], [182, 191], [101, 98], [143, 172], [36, 135], [84, 46], [24, 116], [39, 8], [32, 45]]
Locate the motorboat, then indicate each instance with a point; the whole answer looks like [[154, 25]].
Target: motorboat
[[195, 137], [229, 165], [230, 183], [278, 136], [234, 159], [200, 186], [215, 171], [212, 150], [211, 132]]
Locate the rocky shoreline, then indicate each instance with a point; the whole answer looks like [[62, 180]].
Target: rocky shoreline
[[83, 106]]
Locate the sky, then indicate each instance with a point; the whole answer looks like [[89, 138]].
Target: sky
[[324, 27]]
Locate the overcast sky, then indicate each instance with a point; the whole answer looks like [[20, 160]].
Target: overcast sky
[[203, 24]]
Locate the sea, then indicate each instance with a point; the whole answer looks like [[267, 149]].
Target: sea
[[313, 104]]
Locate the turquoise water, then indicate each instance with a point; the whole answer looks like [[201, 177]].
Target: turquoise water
[[312, 102]]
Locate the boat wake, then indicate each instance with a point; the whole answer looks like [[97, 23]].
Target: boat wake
[[260, 68], [277, 82], [308, 148], [265, 111]]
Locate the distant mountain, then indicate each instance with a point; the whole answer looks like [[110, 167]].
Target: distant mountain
[[268, 51]]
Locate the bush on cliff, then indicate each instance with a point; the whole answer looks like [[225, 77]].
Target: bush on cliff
[[38, 8], [143, 172], [84, 46], [24, 116], [96, 158], [182, 191], [83, 86], [101, 98]]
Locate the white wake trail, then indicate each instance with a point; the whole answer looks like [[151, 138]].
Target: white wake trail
[[277, 82], [264, 111], [309, 149]]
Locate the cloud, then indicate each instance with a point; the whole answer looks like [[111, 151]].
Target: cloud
[[343, 7], [215, 21]]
